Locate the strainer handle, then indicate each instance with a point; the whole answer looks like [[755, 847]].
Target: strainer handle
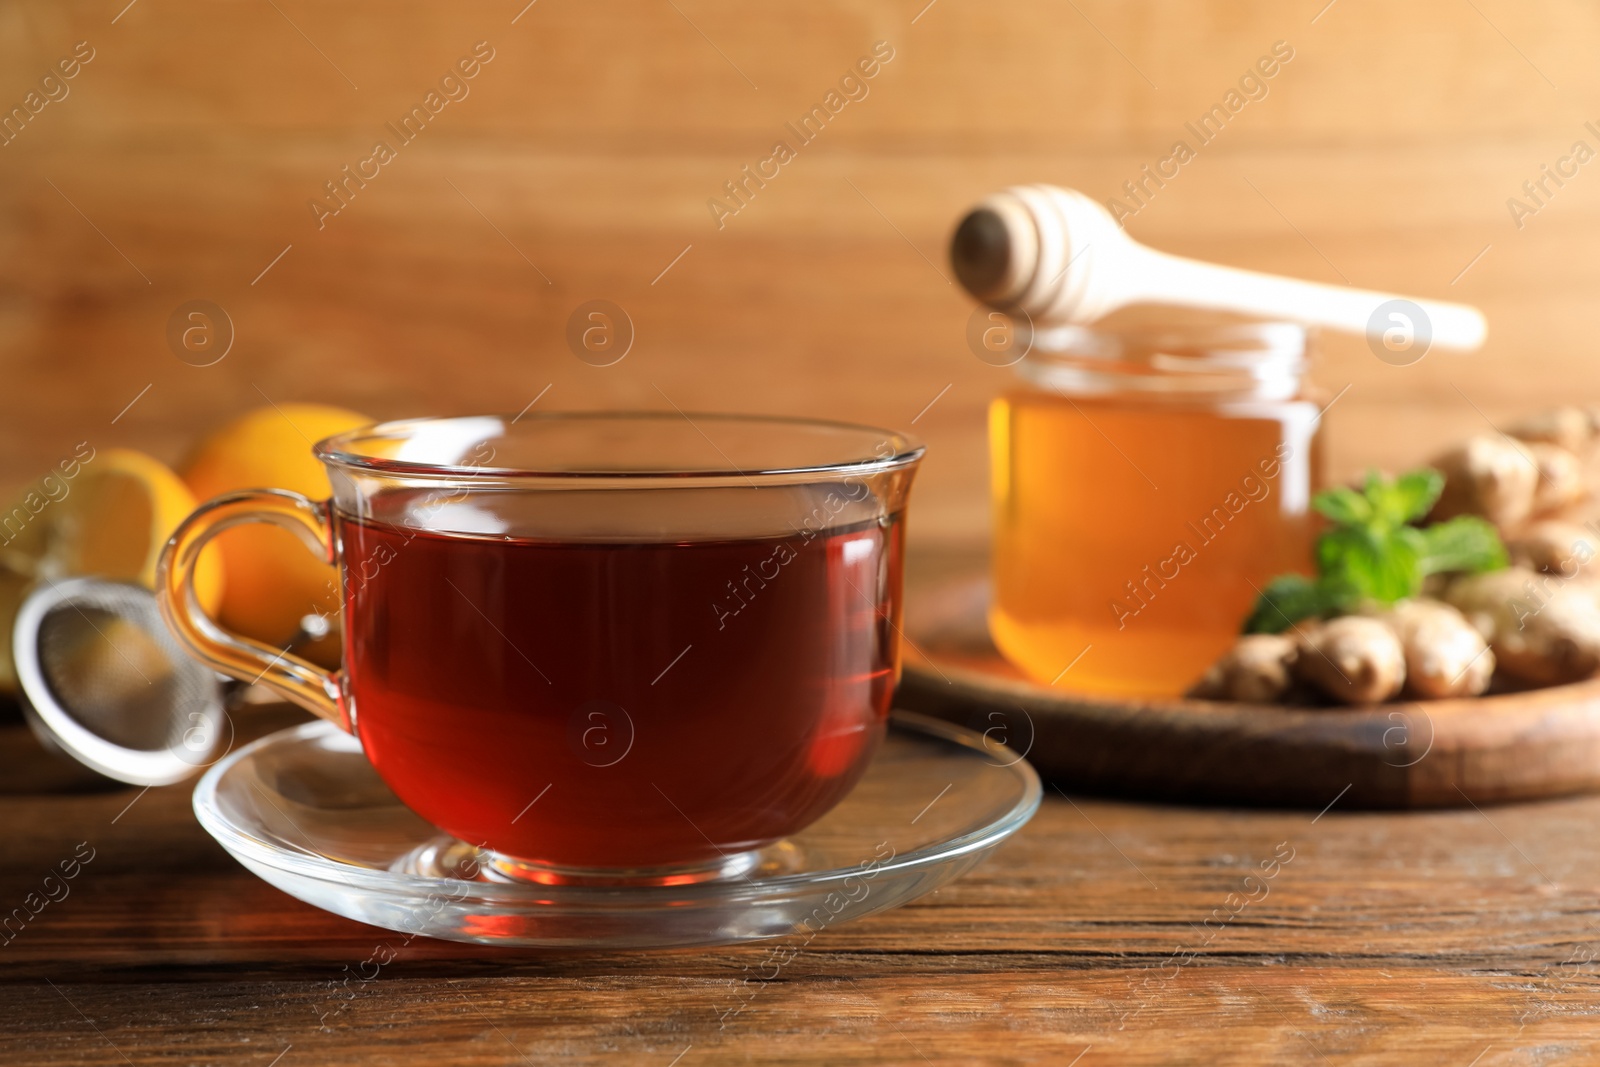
[[293, 678]]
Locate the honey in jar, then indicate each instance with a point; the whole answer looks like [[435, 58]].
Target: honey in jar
[[1147, 484]]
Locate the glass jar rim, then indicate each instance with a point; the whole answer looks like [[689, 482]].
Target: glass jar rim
[[434, 447], [1243, 360], [1268, 335]]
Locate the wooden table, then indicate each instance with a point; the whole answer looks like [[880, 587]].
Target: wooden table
[[1409, 939]]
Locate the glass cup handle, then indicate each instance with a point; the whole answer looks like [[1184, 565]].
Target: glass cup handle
[[295, 679]]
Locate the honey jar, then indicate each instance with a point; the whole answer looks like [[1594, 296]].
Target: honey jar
[[1147, 483]]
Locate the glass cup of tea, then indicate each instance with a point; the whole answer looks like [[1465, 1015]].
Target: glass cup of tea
[[594, 645]]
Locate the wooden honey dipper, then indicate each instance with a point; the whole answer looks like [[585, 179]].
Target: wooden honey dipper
[[1060, 257]]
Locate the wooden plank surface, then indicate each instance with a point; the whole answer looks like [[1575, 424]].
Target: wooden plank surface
[[1423, 938]]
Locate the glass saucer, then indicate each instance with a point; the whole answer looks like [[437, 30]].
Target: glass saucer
[[304, 810]]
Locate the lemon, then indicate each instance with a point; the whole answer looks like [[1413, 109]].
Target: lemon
[[272, 581], [105, 514]]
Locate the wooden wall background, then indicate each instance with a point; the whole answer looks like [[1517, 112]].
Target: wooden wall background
[[182, 162]]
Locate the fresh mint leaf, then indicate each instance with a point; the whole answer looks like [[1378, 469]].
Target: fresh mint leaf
[[1412, 495], [1285, 601], [1382, 565], [1343, 505], [1289, 598], [1371, 552], [1400, 570], [1464, 543], [1396, 501]]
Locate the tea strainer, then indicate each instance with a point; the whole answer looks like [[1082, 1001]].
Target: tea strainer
[[105, 683]]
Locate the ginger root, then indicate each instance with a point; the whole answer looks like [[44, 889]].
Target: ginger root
[[1543, 630], [1353, 659], [1256, 670], [1555, 547], [1445, 655], [1561, 480], [1490, 476], [1457, 622]]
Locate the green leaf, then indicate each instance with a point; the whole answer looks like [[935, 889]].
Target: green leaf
[[1371, 553], [1344, 506], [1394, 502], [1415, 493], [1350, 552], [1464, 543], [1400, 571], [1290, 598], [1382, 565]]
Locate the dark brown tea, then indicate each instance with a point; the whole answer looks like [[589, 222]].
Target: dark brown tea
[[620, 704]]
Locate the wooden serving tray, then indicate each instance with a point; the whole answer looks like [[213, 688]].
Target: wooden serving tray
[[1424, 754]]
